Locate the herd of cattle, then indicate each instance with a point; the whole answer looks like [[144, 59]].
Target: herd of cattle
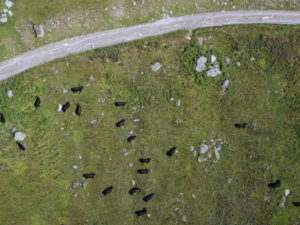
[[121, 123]]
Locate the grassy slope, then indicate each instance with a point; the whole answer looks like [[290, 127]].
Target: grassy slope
[[35, 184], [78, 17]]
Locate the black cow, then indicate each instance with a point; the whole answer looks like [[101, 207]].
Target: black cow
[[241, 125], [66, 106], [148, 197], [171, 151], [131, 138], [133, 190], [37, 102], [120, 103], [106, 191], [297, 204], [21, 146], [141, 212], [145, 160], [77, 89], [78, 110], [120, 123], [2, 118], [89, 175], [274, 184], [143, 171]]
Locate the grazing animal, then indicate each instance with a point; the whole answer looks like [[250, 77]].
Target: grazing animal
[[21, 146], [2, 118], [145, 160], [143, 171], [171, 151], [133, 190], [297, 204], [120, 103], [78, 110], [77, 89], [148, 197], [89, 175], [274, 184], [66, 106], [106, 191], [37, 102], [131, 138], [240, 125], [120, 123], [141, 212]]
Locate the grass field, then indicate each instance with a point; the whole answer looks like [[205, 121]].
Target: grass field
[[77, 17], [36, 183]]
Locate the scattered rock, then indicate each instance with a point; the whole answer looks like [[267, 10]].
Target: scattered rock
[[184, 219], [227, 60], [75, 167], [133, 182], [19, 136], [178, 102], [92, 78], [201, 159], [10, 94], [214, 71], [225, 85], [65, 91], [238, 64], [252, 59], [200, 67], [39, 31], [84, 184], [75, 184], [156, 66], [3, 17], [229, 180], [217, 154], [193, 196]]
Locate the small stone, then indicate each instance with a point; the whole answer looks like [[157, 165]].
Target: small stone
[[136, 120], [65, 91], [282, 202], [178, 102], [94, 121], [84, 184], [287, 192], [213, 59], [133, 182], [217, 154], [200, 67], [252, 59], [201, 40], [75, 184], [10, 94], [156, 66], [193, 196], [79, 157], [192, 148], [214, 71], [184, 219], [238, 64], [203, 148], [131, 165], [201, 159], [92, 78], [3, 19], [267, 197], [39, 31], [59, 108], [229, 180], [9, 3], [75, 167], [227, 60], [19, 136], [225, 85]]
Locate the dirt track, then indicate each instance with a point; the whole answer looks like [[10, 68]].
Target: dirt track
[[83, 43]]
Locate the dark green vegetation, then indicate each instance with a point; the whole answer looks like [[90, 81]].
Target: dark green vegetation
[[36, 184], [77, 17]]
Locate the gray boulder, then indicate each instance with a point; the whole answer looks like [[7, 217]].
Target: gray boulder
[[39, 31], [19, 136], [200, 67]]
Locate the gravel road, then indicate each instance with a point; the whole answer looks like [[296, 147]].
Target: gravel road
[[83, 43]]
